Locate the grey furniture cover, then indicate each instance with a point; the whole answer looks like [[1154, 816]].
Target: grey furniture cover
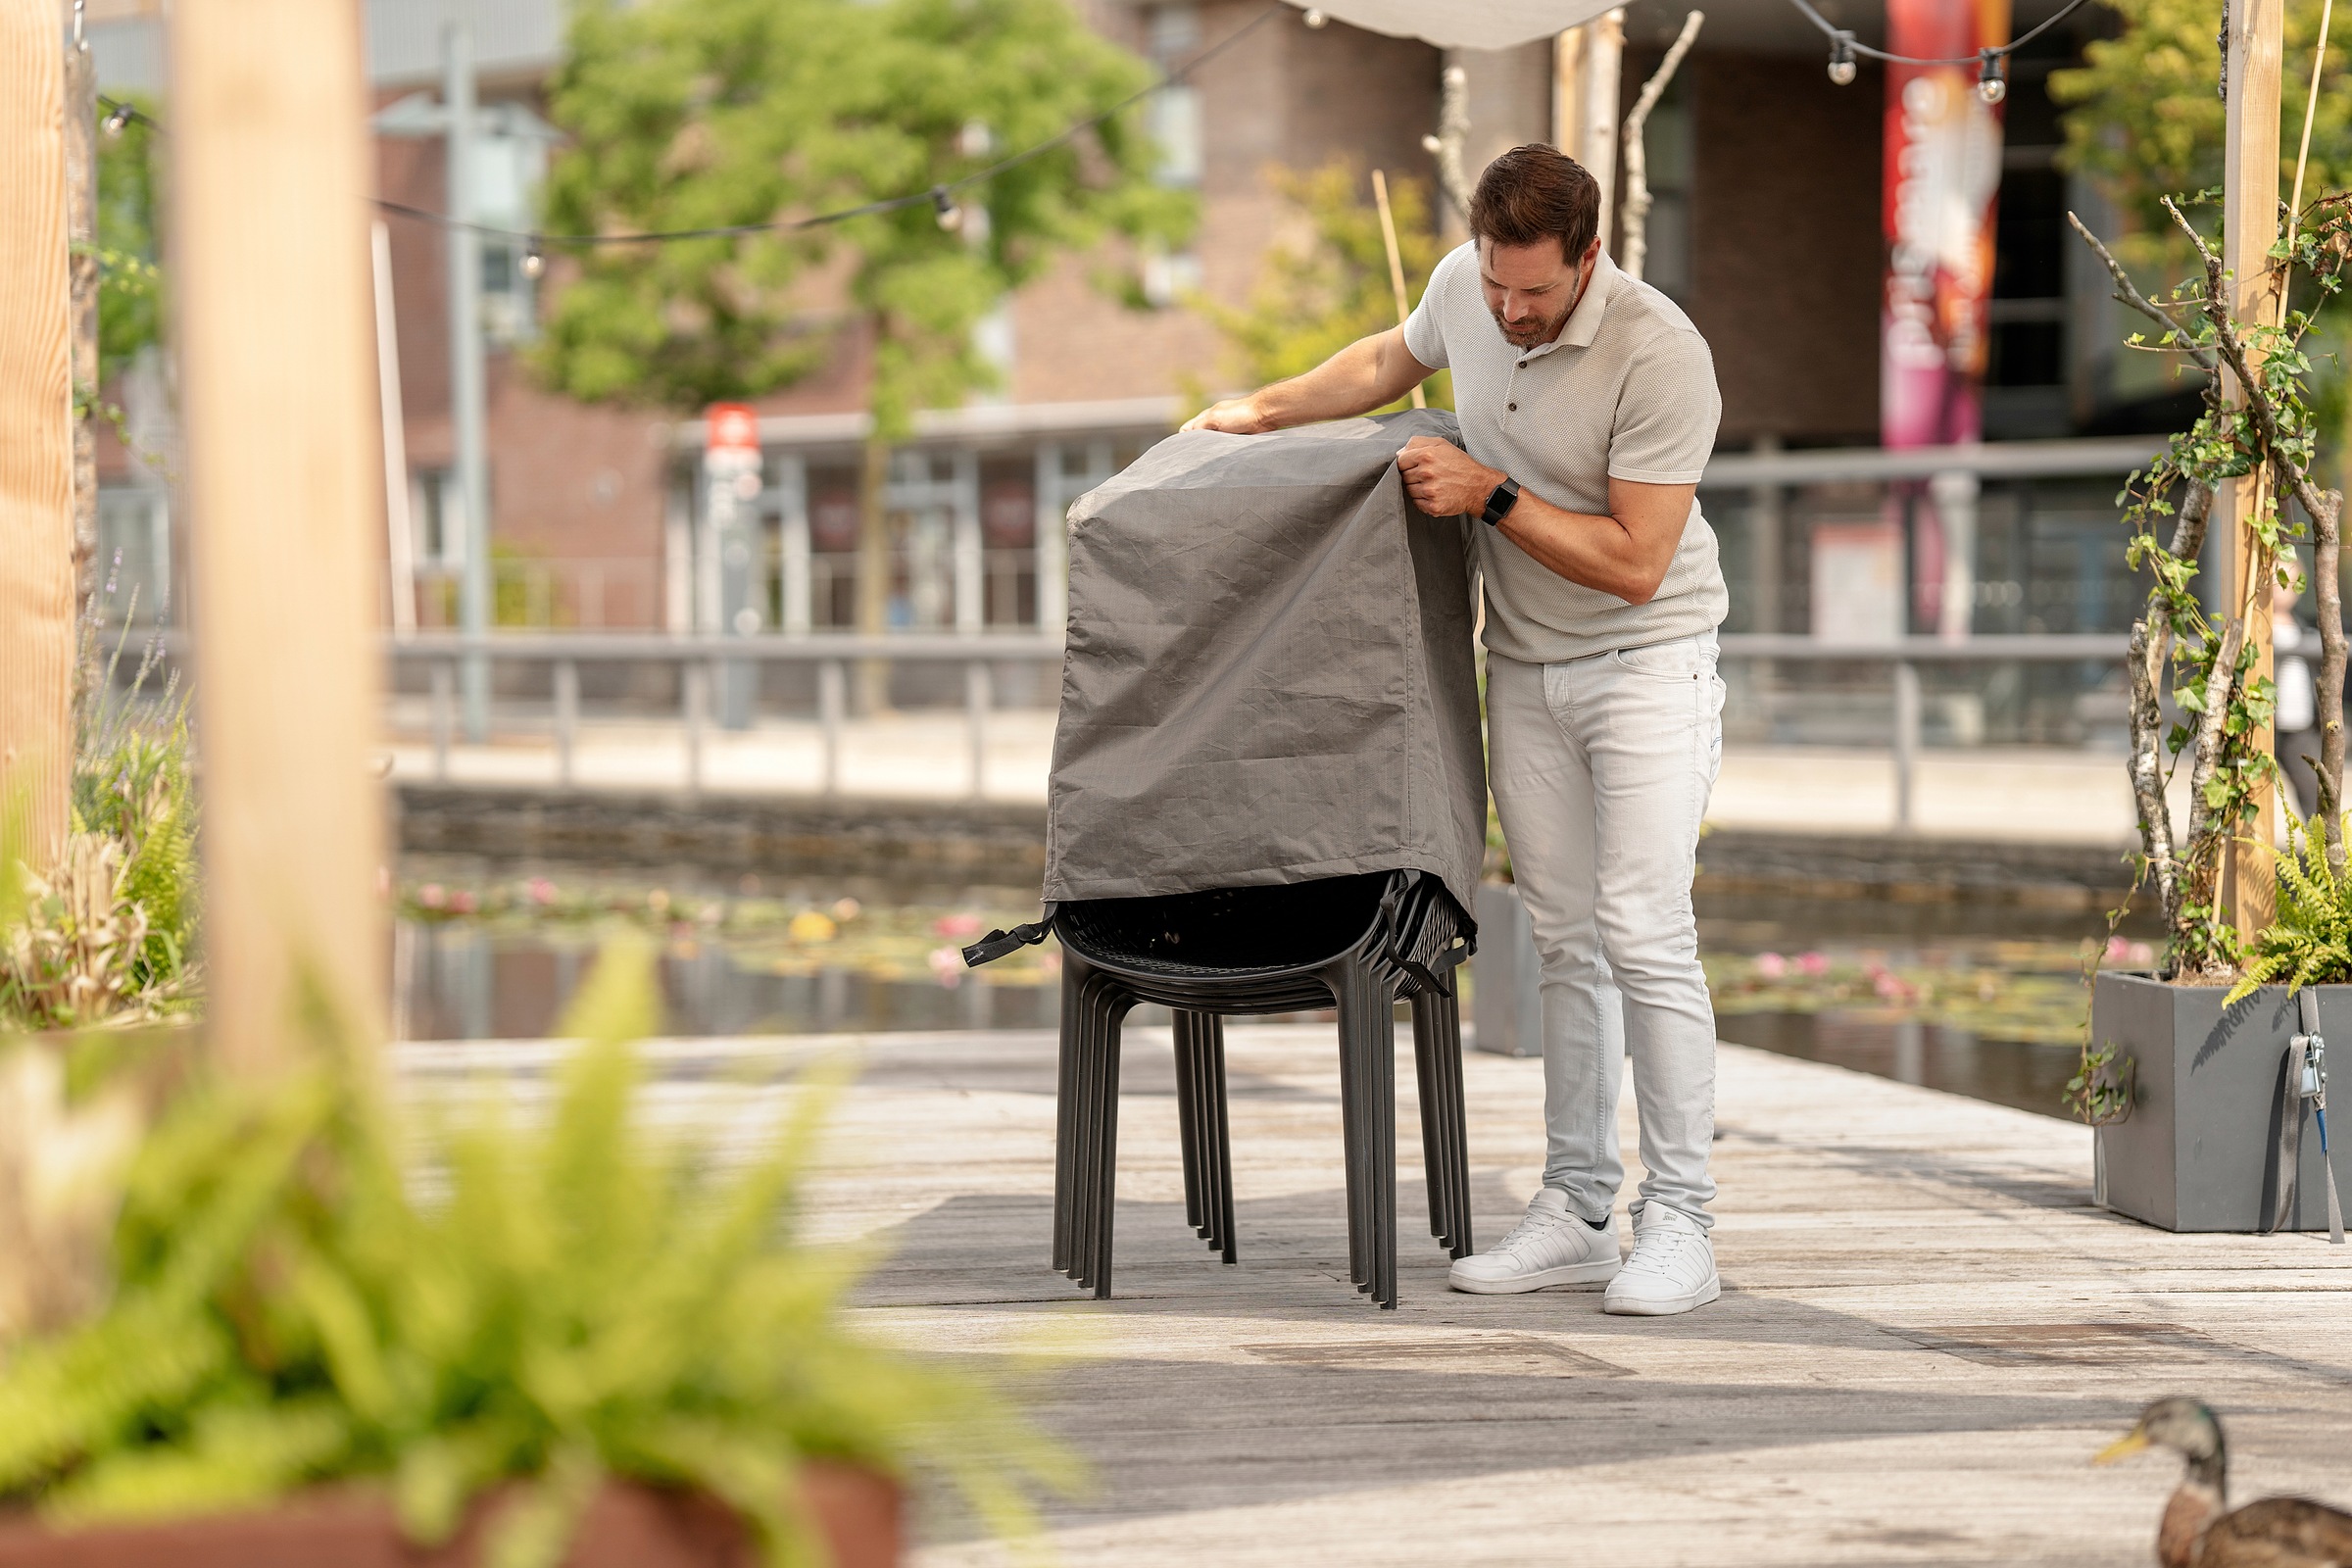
[[1271, 674]]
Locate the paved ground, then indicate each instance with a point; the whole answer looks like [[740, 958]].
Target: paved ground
[[1927, 1330], [2041, 795]]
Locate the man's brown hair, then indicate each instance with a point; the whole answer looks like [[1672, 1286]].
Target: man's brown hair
[[1536, 191]]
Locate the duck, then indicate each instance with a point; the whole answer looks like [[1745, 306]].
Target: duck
[[2200, 1529]]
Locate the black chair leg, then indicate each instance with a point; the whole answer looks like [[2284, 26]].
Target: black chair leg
[[1066, 1110], [1106, 1164], [1099, 1003], [1445, 1068], [1433, 1118], [1220, 1162], [1368, 1091], [1189, 1098]]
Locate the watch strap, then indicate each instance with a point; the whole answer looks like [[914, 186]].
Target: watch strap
[[1500, 503]]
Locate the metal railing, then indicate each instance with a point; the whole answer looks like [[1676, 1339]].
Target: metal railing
[[1903, 658], [699, 658]]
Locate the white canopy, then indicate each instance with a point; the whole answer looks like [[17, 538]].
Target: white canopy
[[1464, 23]]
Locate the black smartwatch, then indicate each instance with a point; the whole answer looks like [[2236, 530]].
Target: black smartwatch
[[1500, 504]]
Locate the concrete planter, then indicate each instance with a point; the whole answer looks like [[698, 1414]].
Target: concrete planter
[[1507, 1009], [2198, 1152], [627, 1526]]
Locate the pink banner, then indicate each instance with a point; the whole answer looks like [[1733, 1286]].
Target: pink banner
[[1942, 175]]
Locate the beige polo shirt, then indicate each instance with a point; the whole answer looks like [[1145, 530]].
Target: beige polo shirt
[[1626, 390]]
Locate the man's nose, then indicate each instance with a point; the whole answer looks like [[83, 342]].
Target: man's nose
[[1514, 307]]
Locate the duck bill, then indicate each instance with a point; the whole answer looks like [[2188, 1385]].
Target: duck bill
[[2122, 1447]]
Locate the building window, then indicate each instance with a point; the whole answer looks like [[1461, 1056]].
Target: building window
[[437, 513], [1668, 142], [1172, 36]]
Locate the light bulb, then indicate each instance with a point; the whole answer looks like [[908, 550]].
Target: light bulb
[[1315, 18], [1841, 59], [1841, 72], [951, 217], [1989, 85], [116, 120], [534, 264]]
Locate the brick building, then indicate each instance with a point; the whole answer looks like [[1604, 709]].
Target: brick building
[[1767, 228]]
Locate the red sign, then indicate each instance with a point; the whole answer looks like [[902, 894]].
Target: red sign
[[733, 428]]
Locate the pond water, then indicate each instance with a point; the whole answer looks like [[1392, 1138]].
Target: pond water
[[1979, 999]]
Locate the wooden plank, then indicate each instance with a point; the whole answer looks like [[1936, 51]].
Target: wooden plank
[[36, 438], [2249, 227], [1927, 1329], [271, 285]]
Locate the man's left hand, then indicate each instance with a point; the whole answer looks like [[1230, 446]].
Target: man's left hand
[[1442, 479]]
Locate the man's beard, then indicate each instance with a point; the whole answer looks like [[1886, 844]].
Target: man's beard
[[1534, 332]]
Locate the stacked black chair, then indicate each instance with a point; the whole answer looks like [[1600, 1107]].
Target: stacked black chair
[[1357, 943]]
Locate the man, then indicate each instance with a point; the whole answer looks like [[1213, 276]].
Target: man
[[1588, 403]]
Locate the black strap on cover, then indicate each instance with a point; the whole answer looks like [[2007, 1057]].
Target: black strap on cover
[[2304, 1092], [997, 944]]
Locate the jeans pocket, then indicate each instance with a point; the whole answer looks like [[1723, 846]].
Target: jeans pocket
[[1686, 658]]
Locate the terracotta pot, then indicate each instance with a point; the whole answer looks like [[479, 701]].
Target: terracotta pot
[[629, 1526]]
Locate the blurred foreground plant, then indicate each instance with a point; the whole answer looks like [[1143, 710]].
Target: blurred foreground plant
[[584, 1303], [105, 937]]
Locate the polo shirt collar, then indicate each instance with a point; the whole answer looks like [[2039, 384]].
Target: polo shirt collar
[[1584, 322]]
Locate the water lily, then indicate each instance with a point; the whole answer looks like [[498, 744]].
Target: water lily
[[1771, 966]]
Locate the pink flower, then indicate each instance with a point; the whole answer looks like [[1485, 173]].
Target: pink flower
[[2118, 949], [958, 926], [1887, 985], [542, 892], [2140, 953], [1771, 966], [1812, 964], [462, 902], [431, 896], [947, 967]]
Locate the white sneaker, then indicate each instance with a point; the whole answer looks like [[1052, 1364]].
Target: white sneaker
[[1672, 1269], [1550, 1247]]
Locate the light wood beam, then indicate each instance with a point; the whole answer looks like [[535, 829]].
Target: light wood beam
[[36, 438], [270, 259]]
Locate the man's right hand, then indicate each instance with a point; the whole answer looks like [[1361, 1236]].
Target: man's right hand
[[1234, 417]]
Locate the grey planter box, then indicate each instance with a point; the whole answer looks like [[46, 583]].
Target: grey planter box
[[2198, 1152], [1507, 1009]]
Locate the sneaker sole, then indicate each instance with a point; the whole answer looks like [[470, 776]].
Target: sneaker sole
[[1579, 1276], [1663, 1307]]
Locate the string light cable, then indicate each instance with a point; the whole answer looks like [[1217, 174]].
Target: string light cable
[[1992, 64], [940, 197]]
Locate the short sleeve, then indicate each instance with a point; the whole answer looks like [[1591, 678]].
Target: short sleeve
[[1666, 416], [1424, 328]]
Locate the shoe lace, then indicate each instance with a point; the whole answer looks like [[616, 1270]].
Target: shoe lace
[[1659, 1250], [1532, 1228]]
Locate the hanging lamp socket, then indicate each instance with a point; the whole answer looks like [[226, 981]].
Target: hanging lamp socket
[[1992, 84], [1841, 59], [951, 217]]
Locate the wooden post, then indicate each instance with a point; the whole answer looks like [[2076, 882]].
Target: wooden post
[[82, 236], [2249, 227], [270, 167], [1388, 236], [36, 439]]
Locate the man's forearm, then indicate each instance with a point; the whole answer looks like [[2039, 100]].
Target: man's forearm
[[1366, 374], [1591, 549]]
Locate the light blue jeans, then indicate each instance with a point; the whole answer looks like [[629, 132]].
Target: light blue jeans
[[1601, 767]]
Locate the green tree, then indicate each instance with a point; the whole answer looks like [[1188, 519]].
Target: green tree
[[1321, 295], [130, 286], [692, 114], [2147, 119], [713, 113]]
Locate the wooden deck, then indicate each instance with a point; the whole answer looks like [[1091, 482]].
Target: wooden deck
[[1925, 1330]]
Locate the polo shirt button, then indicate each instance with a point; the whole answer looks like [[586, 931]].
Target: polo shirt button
[[1515, 407]]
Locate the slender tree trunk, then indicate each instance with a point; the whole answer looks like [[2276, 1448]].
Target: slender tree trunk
[[81, 229], [2326, 565], [874, 572], [1637, 151], [2147, 662], [36, 439]]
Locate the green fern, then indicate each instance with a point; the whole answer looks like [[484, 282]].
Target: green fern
[[579, 1303], [2310, 942]]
